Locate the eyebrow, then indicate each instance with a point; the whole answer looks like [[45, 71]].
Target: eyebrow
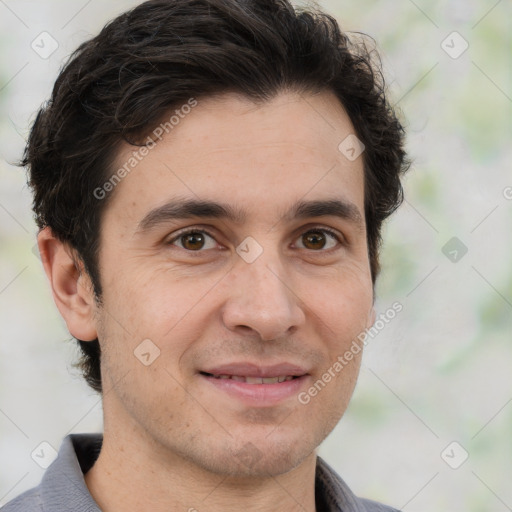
[[196, 208]]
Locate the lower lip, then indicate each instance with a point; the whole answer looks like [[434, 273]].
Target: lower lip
[[258, 394]]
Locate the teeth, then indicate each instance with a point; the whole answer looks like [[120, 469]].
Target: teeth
[[256, 380]]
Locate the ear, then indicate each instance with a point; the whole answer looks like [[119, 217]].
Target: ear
[[371, 317], [71, 286]]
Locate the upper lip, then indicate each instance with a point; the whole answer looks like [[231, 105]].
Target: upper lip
[[257, 370]]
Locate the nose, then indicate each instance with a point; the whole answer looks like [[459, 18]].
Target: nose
[[262, 300]]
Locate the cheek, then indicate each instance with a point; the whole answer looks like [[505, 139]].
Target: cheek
[[160, 305], [343, 304], [149, 301], [344, 312]]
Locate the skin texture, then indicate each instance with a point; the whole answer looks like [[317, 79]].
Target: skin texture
[[171, 438]]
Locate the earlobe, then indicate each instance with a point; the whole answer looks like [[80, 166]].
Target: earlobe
[[371, 317], [71, 287]]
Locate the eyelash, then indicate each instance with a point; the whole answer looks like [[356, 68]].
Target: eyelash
[[188, 231]]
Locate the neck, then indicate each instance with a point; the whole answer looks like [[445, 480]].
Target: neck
[[132, 474]]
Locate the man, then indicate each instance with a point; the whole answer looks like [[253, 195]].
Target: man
[[210, 179]]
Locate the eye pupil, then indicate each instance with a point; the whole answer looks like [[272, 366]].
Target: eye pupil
[[193, 238], [314, 237]]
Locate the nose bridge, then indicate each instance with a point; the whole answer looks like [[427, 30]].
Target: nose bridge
[[261, 298]]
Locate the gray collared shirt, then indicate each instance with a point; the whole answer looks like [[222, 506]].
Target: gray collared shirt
[[63, 488]]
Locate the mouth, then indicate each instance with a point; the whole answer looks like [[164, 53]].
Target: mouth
[[254, 385], [253, 380]]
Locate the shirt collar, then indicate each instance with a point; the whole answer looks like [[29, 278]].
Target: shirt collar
[[63, 486], [332, 494]]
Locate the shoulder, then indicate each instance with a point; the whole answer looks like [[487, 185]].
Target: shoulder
[[29, 501], [62, 486]]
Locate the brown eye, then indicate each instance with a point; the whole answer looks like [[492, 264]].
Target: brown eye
[[317, 239], [193, 241], [314, 240]]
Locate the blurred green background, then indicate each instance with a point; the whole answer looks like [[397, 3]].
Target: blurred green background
[[439, 373]]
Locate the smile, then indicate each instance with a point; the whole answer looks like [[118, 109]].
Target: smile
[[253, 380], [255, 390]]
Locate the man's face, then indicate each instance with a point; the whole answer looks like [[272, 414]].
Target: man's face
[[213, 305]]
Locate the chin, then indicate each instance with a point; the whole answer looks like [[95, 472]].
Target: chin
[[254, 458]]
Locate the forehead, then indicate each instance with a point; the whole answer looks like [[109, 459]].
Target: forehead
[[230, 150]]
